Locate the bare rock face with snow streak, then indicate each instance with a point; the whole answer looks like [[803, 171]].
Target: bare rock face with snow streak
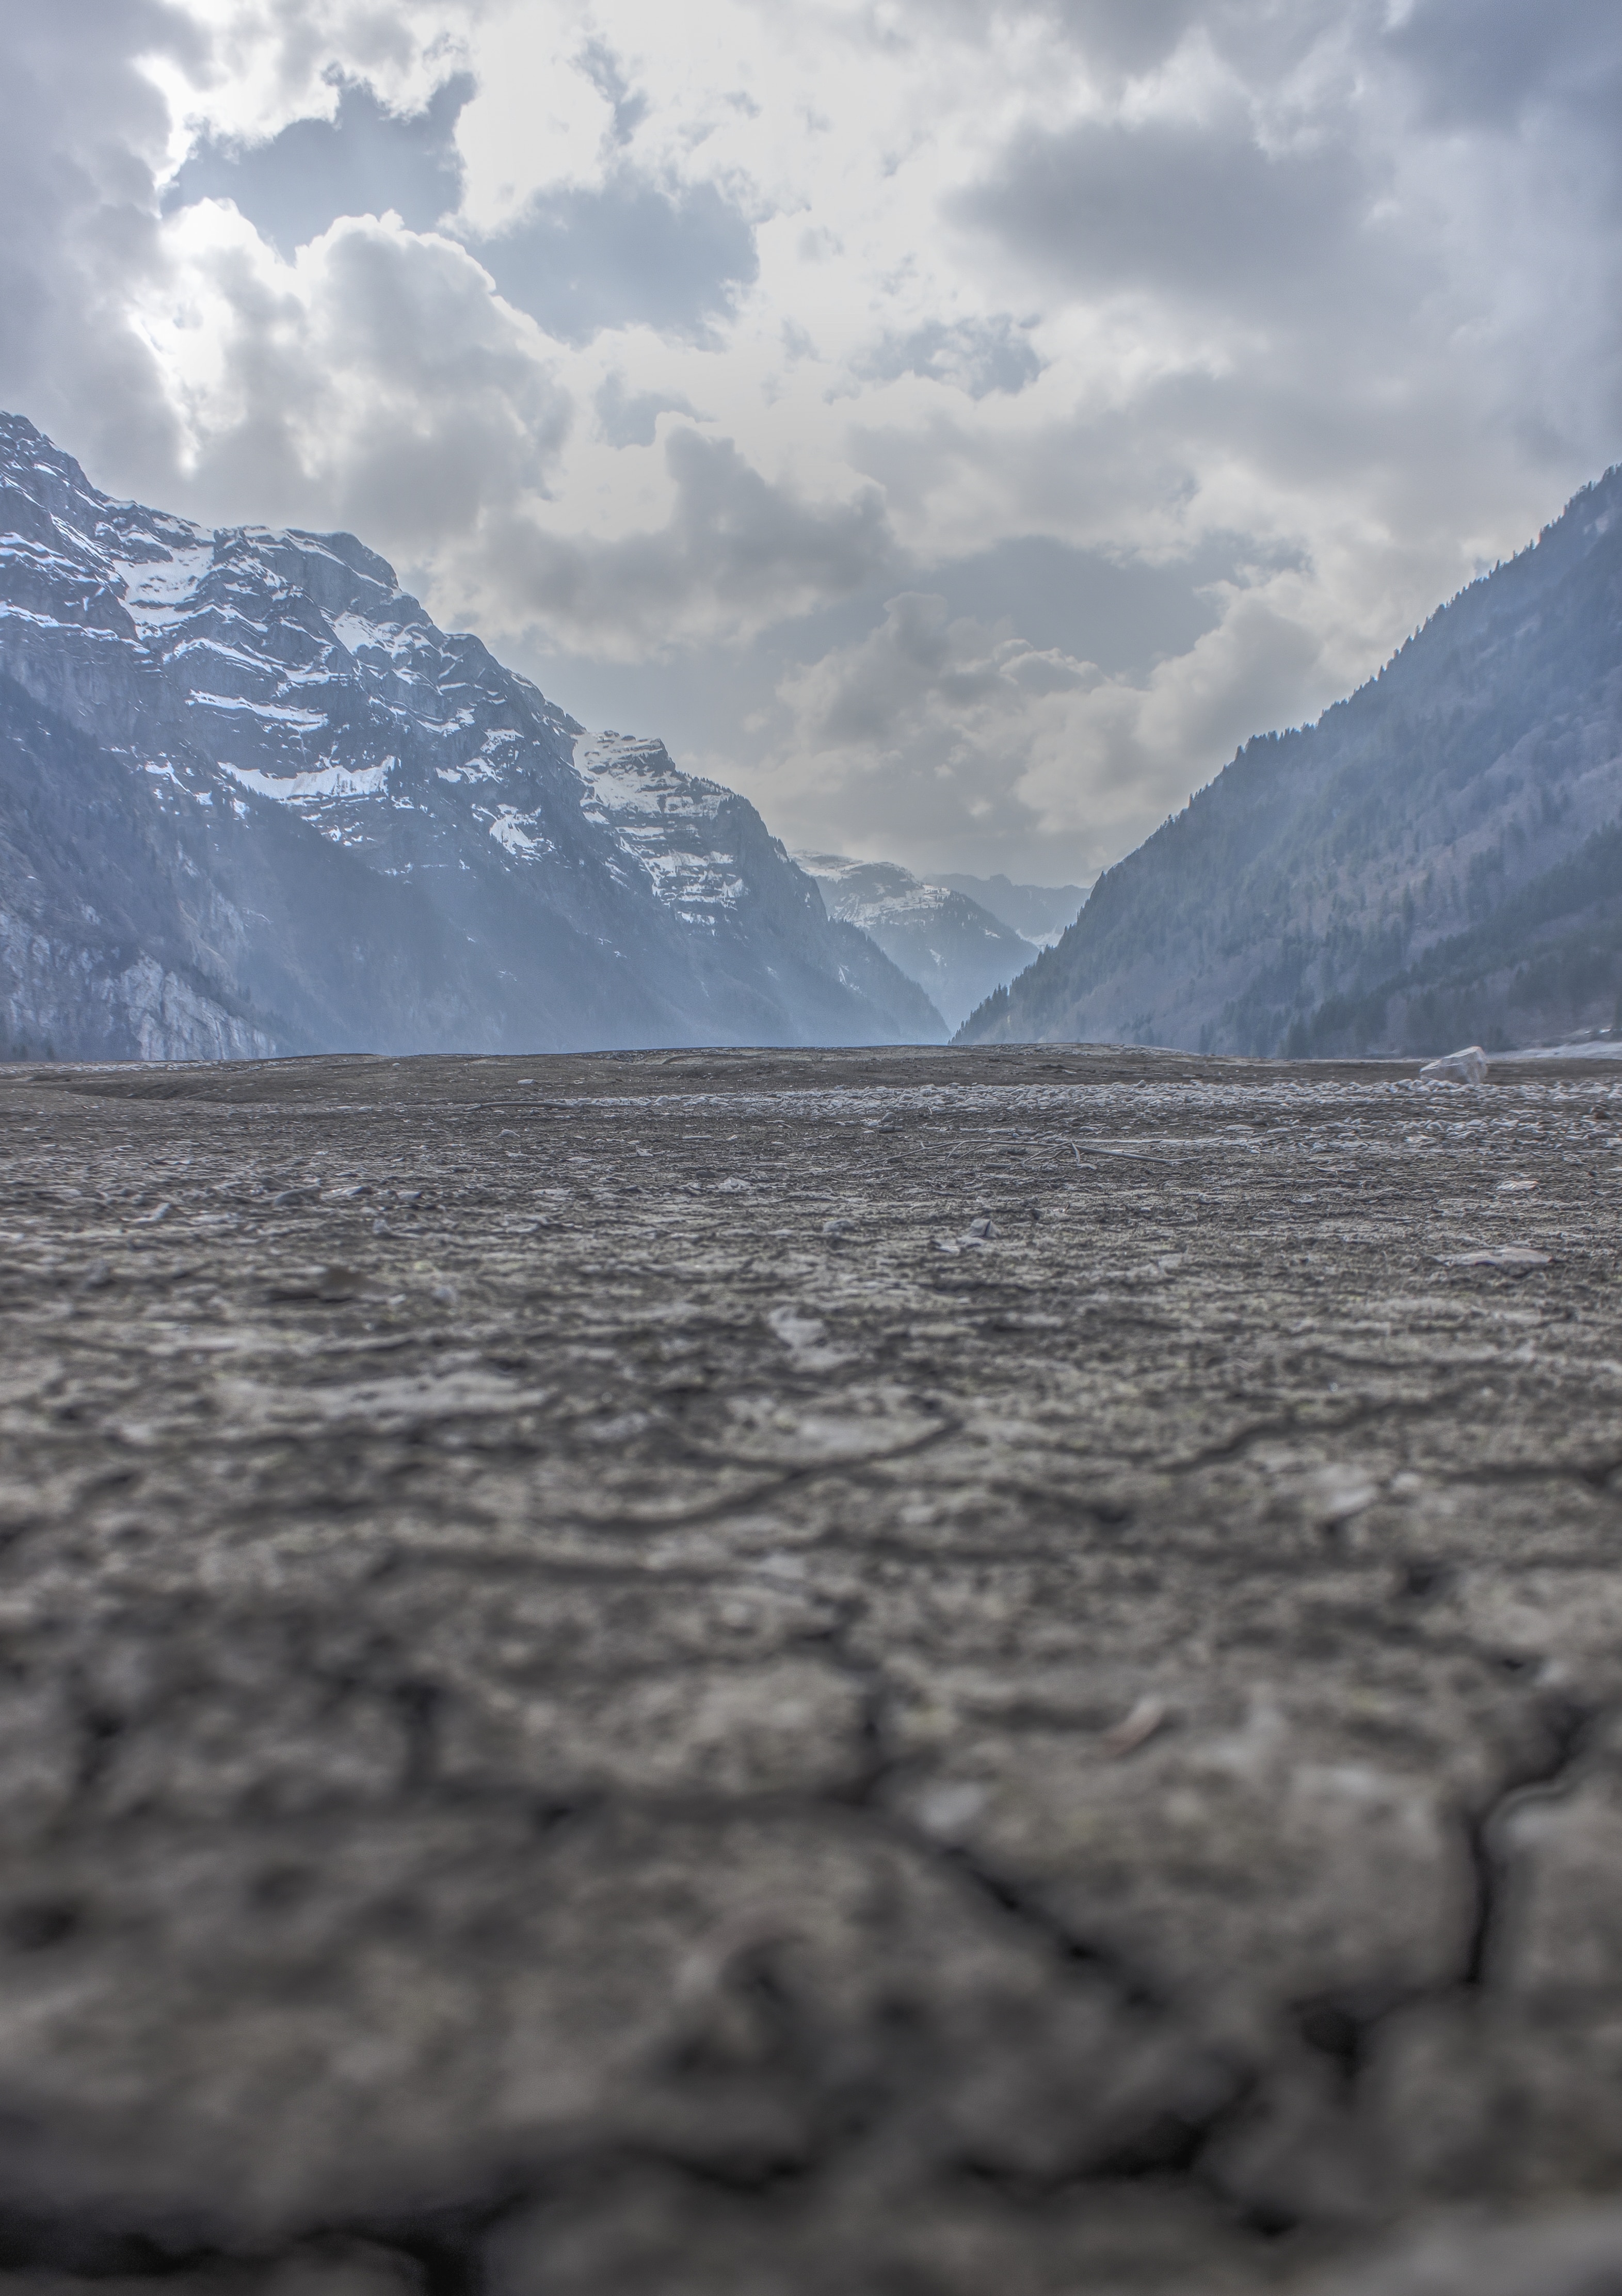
[[822, 1674], [250, 796]]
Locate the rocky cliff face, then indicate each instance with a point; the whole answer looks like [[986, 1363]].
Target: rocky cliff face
[[957, 951], [252, 799], [1437, 860]]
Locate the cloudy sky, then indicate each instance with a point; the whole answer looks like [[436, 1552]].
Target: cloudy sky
[[956, 424]]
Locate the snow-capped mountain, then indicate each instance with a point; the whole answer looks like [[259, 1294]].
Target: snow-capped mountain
[[252, 799], [952, 947], [1042, 913]]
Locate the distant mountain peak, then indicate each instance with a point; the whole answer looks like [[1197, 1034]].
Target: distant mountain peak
[[954, 948]]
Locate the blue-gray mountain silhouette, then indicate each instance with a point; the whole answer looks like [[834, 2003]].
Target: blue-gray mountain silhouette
[[1437, 860]]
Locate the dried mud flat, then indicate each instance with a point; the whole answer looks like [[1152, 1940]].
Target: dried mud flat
[[898, 1674]]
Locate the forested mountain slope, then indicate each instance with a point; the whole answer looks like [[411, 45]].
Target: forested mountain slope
[[1437, 859]]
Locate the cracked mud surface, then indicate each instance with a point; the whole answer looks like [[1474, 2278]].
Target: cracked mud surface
[[809, 1675]]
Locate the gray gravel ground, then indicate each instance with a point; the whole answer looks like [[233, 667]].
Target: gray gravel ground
[[988, 1673]]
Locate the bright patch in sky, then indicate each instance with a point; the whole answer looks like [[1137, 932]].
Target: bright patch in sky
[[955, 423]]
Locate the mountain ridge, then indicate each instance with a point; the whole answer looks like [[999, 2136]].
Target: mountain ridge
[[360, 832], [1319, 895]]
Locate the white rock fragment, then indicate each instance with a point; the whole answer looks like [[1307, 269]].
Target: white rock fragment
[[1512, 1256], [1137, 1728], [1340, 1491], [1466, 1067]]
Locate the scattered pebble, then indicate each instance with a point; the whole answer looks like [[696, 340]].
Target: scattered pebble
[[946, 1808], [1340, 1491], [326, 1285]]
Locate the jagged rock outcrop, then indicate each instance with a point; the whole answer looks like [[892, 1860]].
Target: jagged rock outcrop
[[330, 826], [1437, 860]]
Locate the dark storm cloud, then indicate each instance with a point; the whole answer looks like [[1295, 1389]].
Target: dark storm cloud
[[1123, 35], [1124, 616], [635, 252], [365, 161], [1122, 613], [1486, 62], [917, 650], [1132, 35], [1202, 213], [606, 74], [733, 543], [1480, 62], [977, 355], [631, 418]]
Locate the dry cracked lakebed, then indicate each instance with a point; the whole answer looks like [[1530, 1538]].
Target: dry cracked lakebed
[[986, 1673]]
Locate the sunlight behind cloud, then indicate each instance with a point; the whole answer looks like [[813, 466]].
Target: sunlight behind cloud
[[696, 341]]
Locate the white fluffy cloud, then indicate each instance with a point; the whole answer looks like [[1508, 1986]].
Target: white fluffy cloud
[[373, 383], [747, 354]]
